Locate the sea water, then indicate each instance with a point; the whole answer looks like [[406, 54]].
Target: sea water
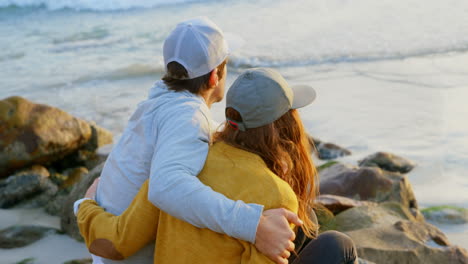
[[391, 75]]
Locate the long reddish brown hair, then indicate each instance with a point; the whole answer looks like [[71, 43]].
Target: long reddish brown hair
[[284, 147]]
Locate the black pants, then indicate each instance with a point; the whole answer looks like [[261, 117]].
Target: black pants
[[330, 247]]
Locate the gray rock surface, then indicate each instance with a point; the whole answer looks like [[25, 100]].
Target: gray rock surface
[[20, 236], [406, 242], [327, 150], [388, 161], [25, 185], [337, 204], [374, 215], [68, 219], [367, 183]]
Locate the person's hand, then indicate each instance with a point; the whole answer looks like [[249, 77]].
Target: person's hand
[[91, 192], [274, 236]]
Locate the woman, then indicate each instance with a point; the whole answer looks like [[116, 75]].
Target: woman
[[261, 156]]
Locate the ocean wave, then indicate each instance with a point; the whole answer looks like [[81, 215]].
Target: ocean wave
[[263, 61], [101, 5], [131, 71]]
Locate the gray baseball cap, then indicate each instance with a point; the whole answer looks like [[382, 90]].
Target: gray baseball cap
[[262, 95]]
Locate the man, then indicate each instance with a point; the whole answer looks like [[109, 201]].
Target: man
[[167, 139]]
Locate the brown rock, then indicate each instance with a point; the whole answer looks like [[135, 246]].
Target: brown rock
[[337, 204], [406, 242], [388, 161], [371, 184], [373, 215], [36, 134]]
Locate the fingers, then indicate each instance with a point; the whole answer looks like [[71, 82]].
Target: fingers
[[292, 218], [286, 254], [281, 260], [290, 246]]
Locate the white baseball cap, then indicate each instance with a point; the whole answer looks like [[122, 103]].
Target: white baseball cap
[[199, 45]]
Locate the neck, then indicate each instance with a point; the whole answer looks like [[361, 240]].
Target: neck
[[208, 96]]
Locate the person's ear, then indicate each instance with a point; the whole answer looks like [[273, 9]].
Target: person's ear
[[213, 81]]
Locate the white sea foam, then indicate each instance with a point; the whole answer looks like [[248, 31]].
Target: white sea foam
[[101, 5]]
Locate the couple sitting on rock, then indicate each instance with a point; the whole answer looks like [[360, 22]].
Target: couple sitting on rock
[[243, 193]]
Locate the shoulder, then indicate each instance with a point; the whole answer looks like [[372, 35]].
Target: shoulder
[[181, 110]]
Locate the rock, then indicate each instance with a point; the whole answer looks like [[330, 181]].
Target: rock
[[66, 181], [20, 236], [326, 150], [87, 155], [373, 215], [325, 218], [24, 185], [35, 133], [40, 134], [68, 219], [406, 242], [337, 204], [446, 214], [367, 183], [55, 205], [41, 199], [388, 161], [79, 261], [69, 177]]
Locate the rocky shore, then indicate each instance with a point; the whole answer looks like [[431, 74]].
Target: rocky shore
[[48, 158]]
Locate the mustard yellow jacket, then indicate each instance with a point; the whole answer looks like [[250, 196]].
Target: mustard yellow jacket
[[238, 174]]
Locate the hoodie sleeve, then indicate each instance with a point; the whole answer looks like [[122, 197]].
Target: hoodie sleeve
[[180, 153]]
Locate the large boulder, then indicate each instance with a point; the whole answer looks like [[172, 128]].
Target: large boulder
[[406, 242], [337, 204], [373, 215], [40, 134], [68, 218], [25, 185], [20, 236], [388, 161], [367, 183]]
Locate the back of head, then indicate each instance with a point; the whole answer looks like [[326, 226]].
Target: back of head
[[284, 147], [176, 78], [191, 52], [262, 118]]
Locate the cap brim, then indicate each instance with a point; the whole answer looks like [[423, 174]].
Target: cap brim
[[303, 96], [234, 41]]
